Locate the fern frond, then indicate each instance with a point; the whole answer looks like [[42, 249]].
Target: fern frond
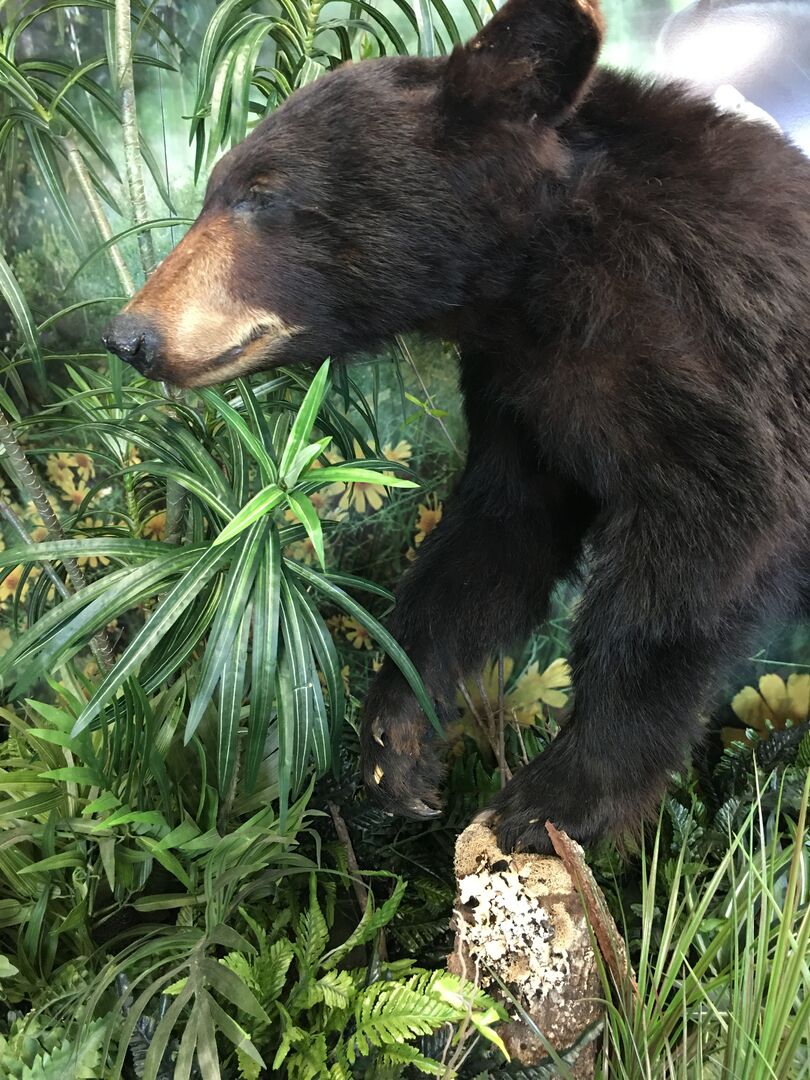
[[312, 933], [389, 1014], [373, 920], [270, 970], [405, 1054], [70, 1058], [337, 989]]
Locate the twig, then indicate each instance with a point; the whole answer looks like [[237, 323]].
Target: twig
[[406, 352], [501, 725], [523, 755], [460, 1053], [506, 772], [361, 890], [465, 693]]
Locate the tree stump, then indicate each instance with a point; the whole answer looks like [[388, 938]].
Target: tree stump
[[520, 920]]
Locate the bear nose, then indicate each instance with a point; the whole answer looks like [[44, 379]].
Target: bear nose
[[134, 339]]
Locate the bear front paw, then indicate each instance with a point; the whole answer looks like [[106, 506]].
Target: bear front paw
[[545, 790], [401, 768]]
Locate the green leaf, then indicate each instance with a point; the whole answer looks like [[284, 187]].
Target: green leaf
[[306, 513], [146, 639], [228, 985], [53, 862], [349, 474], [75, 774], [304, 458], [298, 713], [304, 421], [252, 443], [373, 920], [58, 550], [166, 860], [312, 933], [235, 597], [260, 505], [7, 969], [64, 629], [232, 688], [395, 651], [267, 599], [325, 653], [13, 295]]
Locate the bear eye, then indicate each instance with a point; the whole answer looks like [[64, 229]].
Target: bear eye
[[263, 197], [260, 198]]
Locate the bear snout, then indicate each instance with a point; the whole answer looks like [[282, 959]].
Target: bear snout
[[134, 339]]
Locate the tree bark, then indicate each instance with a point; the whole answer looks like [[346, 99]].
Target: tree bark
[[520, 924]]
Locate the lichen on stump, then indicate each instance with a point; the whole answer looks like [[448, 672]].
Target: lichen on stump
[[520, 920]]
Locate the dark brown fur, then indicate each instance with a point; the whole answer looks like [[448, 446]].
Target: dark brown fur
[[627, 273]]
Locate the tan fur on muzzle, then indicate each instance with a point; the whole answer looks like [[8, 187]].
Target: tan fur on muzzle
[[207, 332]]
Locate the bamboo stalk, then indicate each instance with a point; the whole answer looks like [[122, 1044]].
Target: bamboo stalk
[[129, 118], [76, 162], [175, 494]]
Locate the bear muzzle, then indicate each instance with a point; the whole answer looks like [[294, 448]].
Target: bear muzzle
[[134, 339]]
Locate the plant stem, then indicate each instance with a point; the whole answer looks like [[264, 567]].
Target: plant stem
[[18, 526], [31, 489], [129, 118], [76, 162], [361, 890], [175, 495]]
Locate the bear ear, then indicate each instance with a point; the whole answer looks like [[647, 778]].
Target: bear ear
[[534, 58]]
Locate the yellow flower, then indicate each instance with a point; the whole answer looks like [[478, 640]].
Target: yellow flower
[[59, 469], [10, 583], [90, 524], [91, 669], [75, 493], [535, 688], [5, 640], [524, 697], [400, 454], [155, 527], [344, 674], [427, 519], [39, 535], [774, 706], [361, 496], [357, 634], [84, 465], [336, 624], [302, 551]]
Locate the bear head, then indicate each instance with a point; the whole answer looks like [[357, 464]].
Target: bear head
[[382, 198]]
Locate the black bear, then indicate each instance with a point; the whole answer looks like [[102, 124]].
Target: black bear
[[626, 271]]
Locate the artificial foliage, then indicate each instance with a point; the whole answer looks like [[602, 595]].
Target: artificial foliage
[[193, 591]]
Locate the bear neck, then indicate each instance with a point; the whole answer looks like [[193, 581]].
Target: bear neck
[[520, 192]]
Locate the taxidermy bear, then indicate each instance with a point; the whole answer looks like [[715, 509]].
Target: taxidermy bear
[[626, 271]]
